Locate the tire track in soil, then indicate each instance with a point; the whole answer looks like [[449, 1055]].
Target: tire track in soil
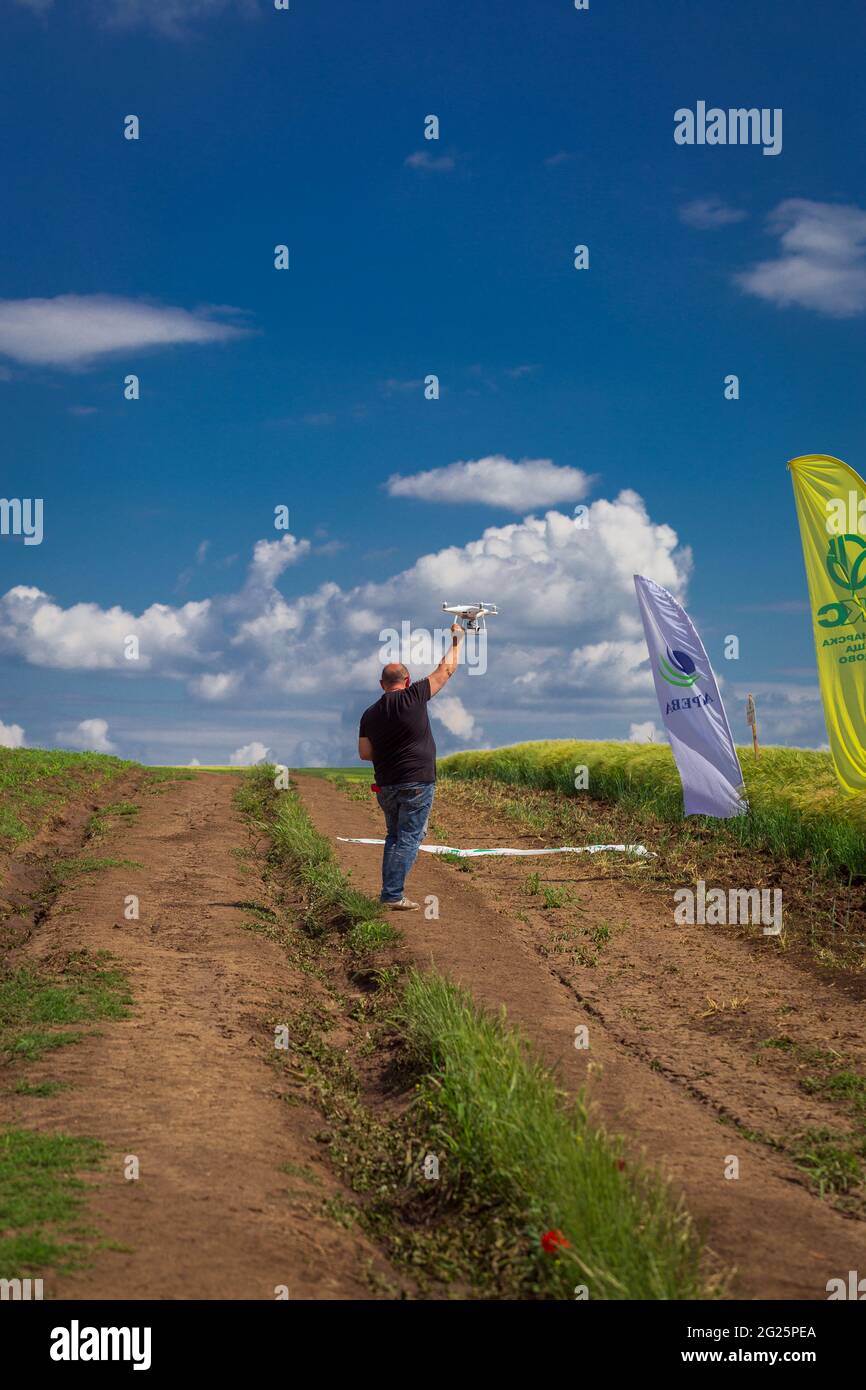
[[184, 1083], [783, 1241]]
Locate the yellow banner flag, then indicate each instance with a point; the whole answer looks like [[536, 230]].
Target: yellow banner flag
[[831, 507]]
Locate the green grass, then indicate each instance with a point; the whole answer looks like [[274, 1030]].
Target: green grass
[[38, 1008], [333, 774], [183, 773], [331, 901], [355, 789], [40, 1200], [556, 897], [517, 1159], [833, 1162], [36, 782], [103, 820], [797, 810], [67, 870], [506, 1131]]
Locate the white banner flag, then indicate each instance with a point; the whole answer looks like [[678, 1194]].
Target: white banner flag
[[475, 853], [691, 706]]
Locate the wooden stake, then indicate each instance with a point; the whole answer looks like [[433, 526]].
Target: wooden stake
[[752, 721]]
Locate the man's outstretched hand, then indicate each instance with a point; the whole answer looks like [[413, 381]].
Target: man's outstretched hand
[[445, 670]]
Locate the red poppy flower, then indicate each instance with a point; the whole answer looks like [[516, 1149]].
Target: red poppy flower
[[552, 1241]]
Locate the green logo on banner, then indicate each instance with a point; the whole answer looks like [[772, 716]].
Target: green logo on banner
[[679, 668], [846, 566]]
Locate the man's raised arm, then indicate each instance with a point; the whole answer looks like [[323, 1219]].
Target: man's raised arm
[[447, 666]]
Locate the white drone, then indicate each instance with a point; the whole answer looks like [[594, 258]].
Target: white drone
[[472, 614]]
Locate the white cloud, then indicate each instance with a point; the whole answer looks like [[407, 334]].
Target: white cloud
[[566, 598], [270, 558], [250, 754], [11, 735], [216, 687], [568, 636], [821, 263], [73, 330], [647, 732], [87, 637], [90, 736], [433, 163], [707, 213], [495, 481], [451, 711], [611, 662]]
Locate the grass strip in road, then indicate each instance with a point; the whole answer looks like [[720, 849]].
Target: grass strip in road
[[531, 1198], [506, 1132], [41, 1194], [67, 870], [41, 1197], [38, 1007], [330, 899]]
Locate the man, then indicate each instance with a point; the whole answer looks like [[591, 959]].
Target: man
[[395, 736]]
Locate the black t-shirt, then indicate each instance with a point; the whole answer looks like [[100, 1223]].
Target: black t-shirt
[[399, 730]]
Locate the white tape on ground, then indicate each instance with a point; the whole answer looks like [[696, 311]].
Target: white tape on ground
[[474, 853]]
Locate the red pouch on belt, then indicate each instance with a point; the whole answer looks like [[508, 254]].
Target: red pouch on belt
[[374, 787]]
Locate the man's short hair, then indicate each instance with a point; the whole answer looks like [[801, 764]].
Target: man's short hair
[[394, 673]]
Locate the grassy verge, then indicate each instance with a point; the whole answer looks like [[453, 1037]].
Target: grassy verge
[[507, 1133], [329, 897], [466, 1162], [796, 808], [35, 783]]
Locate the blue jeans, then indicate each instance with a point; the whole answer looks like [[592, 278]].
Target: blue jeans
[[407, 810]]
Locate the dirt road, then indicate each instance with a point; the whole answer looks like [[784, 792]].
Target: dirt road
[[184, 1088], [677, 1077], [183, 1085]]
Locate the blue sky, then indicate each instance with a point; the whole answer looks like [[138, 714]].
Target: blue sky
[[410, 257]]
